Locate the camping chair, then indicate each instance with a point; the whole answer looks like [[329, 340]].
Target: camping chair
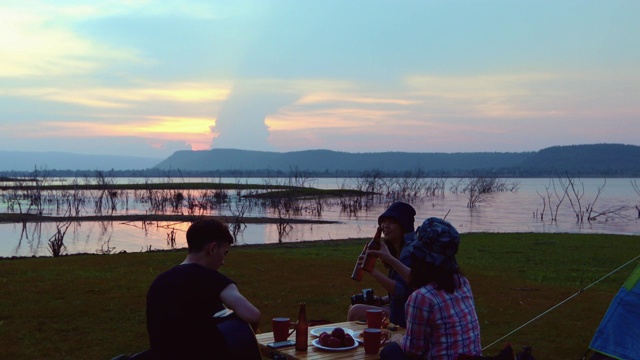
[[144, 355], [505, 354]]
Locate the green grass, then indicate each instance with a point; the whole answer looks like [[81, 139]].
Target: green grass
[[93, 306]]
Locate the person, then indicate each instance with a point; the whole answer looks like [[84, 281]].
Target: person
[[441, 318], [397, 223], [182, 302]]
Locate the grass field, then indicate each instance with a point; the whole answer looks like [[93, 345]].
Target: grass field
[[93, 306]]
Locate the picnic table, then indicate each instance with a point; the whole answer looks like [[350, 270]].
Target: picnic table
[[315, 353]]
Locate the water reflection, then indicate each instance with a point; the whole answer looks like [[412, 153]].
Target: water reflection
[[495, 212]]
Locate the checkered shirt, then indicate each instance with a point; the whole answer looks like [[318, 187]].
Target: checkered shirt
[[441, 325]]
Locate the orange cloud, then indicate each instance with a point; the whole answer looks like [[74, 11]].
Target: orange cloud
[[128, 97], [194, 131]]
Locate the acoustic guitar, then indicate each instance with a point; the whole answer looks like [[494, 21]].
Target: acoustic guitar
[[238, 336]]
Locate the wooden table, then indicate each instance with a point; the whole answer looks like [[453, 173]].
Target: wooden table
[[314, 353]]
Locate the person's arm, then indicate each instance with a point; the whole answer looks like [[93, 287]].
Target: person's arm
[[385, 299], [386, 282], [384, 255], [235, 301], [417, 334]]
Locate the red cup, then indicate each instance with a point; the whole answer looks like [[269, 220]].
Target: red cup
[[373, 339], [375, 318], [281, 328]]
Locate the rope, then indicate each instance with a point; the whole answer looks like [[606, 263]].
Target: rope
[[560, 303]]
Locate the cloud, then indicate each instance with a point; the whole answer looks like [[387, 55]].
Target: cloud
[[241, 121], [147, 146], [126, 97], [37, 44]]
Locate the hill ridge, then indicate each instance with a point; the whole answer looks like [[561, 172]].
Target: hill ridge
[[613, 160], [588, 159]]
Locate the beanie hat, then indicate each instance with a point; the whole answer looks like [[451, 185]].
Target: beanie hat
[[401, 212], [436, 241]]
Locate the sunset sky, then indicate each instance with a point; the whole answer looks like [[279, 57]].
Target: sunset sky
[[147, 78]]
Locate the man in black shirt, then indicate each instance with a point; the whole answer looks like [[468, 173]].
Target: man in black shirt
[[181, 302]]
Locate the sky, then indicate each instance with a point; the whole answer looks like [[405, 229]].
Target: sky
[[148, 78]]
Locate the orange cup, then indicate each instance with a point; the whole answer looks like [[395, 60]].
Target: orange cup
[[375, 318], [373, 339], [281, 328]]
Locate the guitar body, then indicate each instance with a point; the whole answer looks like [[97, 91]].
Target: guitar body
[[239, 338]]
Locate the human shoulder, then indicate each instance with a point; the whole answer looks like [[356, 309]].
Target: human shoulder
[[427, 291], [195, 271], [424, 297], [463, 283]]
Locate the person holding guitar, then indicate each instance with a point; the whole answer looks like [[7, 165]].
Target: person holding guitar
[[182, 303]]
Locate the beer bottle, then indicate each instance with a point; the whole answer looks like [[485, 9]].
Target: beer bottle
[[369, 260], [302, 329]]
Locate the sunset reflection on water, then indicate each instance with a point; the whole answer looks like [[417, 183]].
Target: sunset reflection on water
[[498, 212]]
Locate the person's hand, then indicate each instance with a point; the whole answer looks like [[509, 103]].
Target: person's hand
[[383, 254], [360, 260], [396, 337]]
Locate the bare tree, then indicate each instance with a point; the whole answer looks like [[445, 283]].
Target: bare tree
[[106, 198], [474, 191], [476, 187], [56, 242], [544, 206], [36, 193], [589, 208], [575, 196], [238, 209], [559, 194]]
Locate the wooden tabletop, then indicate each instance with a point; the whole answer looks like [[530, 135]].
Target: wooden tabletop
[[314, 353]]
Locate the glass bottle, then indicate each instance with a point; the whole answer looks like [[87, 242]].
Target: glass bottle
[[369, 259], [358, 273], [302, 329]]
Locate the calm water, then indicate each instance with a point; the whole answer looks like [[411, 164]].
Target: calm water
[[507, 211]]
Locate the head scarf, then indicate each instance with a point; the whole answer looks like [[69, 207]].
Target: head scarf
[[436, 241]]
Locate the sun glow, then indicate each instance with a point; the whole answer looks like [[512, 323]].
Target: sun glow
[[194, 131], [172, 126]]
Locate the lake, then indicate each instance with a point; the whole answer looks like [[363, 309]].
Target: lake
[[614, 209]]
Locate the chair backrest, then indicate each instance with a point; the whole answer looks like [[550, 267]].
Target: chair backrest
[[239, 338], [143, 355]]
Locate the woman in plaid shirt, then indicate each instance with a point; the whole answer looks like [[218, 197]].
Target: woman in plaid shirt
[[441, 317]]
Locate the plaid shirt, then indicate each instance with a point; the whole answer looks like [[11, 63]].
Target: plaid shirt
[[442, 325]]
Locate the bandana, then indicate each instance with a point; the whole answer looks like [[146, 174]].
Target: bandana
[[436, 241]]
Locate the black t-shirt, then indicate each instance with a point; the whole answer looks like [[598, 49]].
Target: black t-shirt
[[180, 306]]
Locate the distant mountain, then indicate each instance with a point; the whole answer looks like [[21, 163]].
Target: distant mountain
[[583, 160], [595, 160], [28, 161], [330, 162]]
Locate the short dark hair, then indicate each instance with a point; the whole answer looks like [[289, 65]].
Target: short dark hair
[[203, 232]]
